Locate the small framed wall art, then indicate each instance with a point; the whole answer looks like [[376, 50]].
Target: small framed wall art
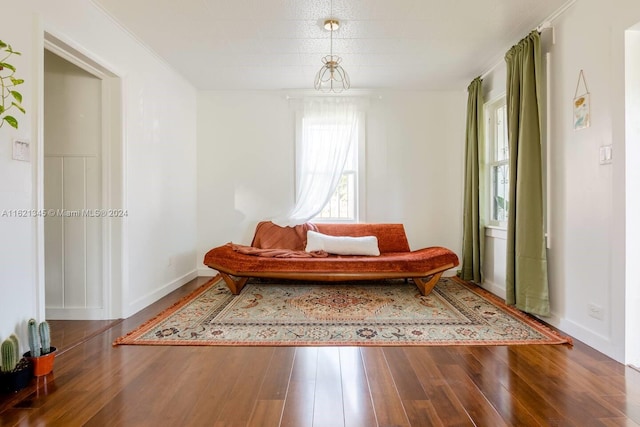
[[581, 105]]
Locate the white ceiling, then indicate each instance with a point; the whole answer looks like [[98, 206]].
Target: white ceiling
[[278, 44]]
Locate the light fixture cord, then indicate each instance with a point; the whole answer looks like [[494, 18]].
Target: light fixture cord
[[331, 42], [331, 27]]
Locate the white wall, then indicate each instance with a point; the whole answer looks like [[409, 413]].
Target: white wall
[[414, 147], [632, 155], [415, 160], [160, 159], [494, 268], [17, 263], [587, 256], [245, 164]]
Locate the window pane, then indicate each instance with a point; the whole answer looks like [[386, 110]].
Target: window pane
[[342, 205], [501, 143], [500, 181], [352, 158]]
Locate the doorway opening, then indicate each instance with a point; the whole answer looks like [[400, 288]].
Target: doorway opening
[[80, 186]]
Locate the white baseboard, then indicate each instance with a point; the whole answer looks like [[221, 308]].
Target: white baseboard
[[494, 288], [575, 330], [75, 314], [590, 338], [154, 296], [207, 272]]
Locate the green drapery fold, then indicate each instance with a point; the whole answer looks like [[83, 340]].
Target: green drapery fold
[[472, 234], [526, 280]]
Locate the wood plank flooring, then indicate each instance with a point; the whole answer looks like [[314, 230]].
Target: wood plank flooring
[[95, 384]]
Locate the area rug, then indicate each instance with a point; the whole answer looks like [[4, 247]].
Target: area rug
[[372, 313]]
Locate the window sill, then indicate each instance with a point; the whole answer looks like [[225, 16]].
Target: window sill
[[495, 232], [334, 220]]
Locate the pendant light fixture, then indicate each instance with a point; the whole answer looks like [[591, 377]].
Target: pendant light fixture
[[332, 77]]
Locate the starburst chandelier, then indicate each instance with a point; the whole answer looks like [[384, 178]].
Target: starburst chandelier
[[332, 77]]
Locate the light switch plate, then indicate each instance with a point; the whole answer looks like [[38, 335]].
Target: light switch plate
[[606, 154], [21, 150]]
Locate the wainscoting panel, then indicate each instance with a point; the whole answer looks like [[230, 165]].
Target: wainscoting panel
[[73, 236]]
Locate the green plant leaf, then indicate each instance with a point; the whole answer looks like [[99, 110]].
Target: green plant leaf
[[19, 107], [9, 66], [16, 82], [11, 120], [2, 44], [1, 109], [16, 95]]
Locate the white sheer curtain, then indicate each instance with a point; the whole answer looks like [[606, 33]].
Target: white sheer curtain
[[328, 127]]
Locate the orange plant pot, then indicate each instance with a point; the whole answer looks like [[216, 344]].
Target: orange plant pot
[[42, 365]]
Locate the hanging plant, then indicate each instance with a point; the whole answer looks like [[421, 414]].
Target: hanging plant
[[11, 98]]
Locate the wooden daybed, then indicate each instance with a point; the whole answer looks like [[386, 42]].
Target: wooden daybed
[[396, 260]]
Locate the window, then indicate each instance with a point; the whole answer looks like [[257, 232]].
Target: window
[[315, 133], [497, 162], [343, 205]]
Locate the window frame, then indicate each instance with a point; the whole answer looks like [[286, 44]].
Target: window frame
[[359, 174], [490, 162]]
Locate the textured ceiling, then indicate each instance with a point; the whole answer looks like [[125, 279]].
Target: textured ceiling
[[278, 44]]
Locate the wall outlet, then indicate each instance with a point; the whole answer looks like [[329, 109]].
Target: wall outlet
[[595, 311]]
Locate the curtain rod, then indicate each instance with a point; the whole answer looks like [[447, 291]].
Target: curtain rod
[[540, 28], [546, 24], [351, 93]]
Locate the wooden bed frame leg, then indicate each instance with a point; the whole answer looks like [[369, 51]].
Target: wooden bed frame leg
[[426, 287], [235, 286]]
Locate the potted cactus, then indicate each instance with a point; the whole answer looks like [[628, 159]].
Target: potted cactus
[[41, 352], [15, 372]]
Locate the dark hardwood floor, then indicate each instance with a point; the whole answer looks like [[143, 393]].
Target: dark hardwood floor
[[95, 384]]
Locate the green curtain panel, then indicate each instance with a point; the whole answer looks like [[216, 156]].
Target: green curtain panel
[[527, 285], [472, 234]]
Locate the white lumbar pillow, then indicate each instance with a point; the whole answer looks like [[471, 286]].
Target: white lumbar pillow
[[342, 245]]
